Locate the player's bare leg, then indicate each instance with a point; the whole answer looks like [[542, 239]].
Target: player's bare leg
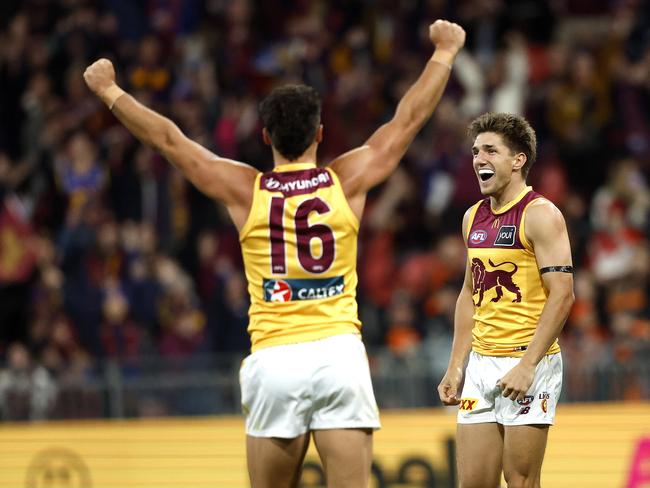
[[275, 462], [346, 455], [479, 450], [523, 454]]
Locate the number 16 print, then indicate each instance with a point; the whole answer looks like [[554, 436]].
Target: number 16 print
[[304, 234]]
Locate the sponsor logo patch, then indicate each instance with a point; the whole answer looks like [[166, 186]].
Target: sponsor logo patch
[[506, 235], [544, 405], [527, 400], [292, 183], [277, 291], [478, 236], [302, 289], [468, 404]]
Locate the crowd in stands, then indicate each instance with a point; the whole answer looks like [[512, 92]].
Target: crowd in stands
[[107, 252]]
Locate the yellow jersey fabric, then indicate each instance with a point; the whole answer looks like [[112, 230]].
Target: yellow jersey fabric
[[299, 246], [507, 288]]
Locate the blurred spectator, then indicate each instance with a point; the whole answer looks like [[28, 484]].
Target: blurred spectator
[[122, 338], [185, 336], [626, 187], [26, 390], [227, 314], [402, 337], [149, 74], [80, 175]]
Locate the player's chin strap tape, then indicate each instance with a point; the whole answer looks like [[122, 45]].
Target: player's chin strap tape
[[556, 269]]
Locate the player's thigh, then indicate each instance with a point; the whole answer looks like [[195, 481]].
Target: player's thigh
[[479, 450], [523, 454], [346, 455], [275, 462]]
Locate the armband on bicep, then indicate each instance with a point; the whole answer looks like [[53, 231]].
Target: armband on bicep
[[556, 269]]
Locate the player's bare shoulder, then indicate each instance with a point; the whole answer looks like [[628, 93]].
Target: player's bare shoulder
[[544, 221]]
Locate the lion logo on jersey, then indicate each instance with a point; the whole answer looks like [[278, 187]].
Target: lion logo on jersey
[[483, 280]]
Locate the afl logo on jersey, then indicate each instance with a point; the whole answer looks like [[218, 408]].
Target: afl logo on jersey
[[278, 291], [272, 184], [478, 236]]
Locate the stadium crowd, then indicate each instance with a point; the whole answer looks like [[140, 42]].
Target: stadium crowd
[[107, 252]]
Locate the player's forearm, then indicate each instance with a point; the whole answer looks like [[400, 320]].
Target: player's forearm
[[419, 102], [463, 325], [147, 126], [551, 322]]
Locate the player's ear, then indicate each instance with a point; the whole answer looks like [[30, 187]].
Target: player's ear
[[520, 161], [319, 134], [266, 137]]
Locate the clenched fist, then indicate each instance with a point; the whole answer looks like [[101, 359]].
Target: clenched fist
[[100, 75], [447, 36]]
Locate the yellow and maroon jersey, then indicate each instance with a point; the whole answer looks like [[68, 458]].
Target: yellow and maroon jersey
[[507, 288], [299, 246]]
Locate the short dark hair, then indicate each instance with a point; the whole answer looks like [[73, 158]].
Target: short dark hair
[[515, 130], [291, 115]]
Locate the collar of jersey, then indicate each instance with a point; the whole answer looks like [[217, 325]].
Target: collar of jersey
[[280, 168], [512, 202]]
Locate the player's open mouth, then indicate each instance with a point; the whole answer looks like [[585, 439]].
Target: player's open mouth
[[485, 174]]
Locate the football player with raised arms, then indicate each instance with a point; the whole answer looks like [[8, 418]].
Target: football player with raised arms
[[307, 375]]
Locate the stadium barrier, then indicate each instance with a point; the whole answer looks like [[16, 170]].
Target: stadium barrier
[[592, 445]]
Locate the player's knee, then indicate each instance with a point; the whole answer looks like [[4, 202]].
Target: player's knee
[[519, 480]]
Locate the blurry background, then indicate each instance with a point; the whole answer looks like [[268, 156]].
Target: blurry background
[[121, 287]]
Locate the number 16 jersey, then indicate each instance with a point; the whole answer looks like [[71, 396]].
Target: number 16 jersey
[[299, 246]]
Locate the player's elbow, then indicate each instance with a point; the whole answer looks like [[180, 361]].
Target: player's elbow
[[570, 299], [165, 138], [565, 299]]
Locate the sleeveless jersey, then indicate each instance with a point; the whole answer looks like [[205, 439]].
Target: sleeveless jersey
[[299, 246], [507, 288]]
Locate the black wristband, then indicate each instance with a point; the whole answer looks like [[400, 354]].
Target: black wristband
[[556, 269]]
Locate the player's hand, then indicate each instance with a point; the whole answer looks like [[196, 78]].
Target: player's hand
[[99, 76], [450, 387], [447, 36], [517, 381]]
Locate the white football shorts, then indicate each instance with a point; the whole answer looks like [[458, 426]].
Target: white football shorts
[[482, 401], [291, 389]]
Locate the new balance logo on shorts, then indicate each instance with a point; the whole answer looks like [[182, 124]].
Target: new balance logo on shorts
[[302, 289]]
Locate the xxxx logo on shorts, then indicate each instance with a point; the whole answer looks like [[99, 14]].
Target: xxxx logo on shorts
[[468, 404]]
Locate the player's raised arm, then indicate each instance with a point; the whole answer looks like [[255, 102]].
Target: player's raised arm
[[364, 167], [229, 181]]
